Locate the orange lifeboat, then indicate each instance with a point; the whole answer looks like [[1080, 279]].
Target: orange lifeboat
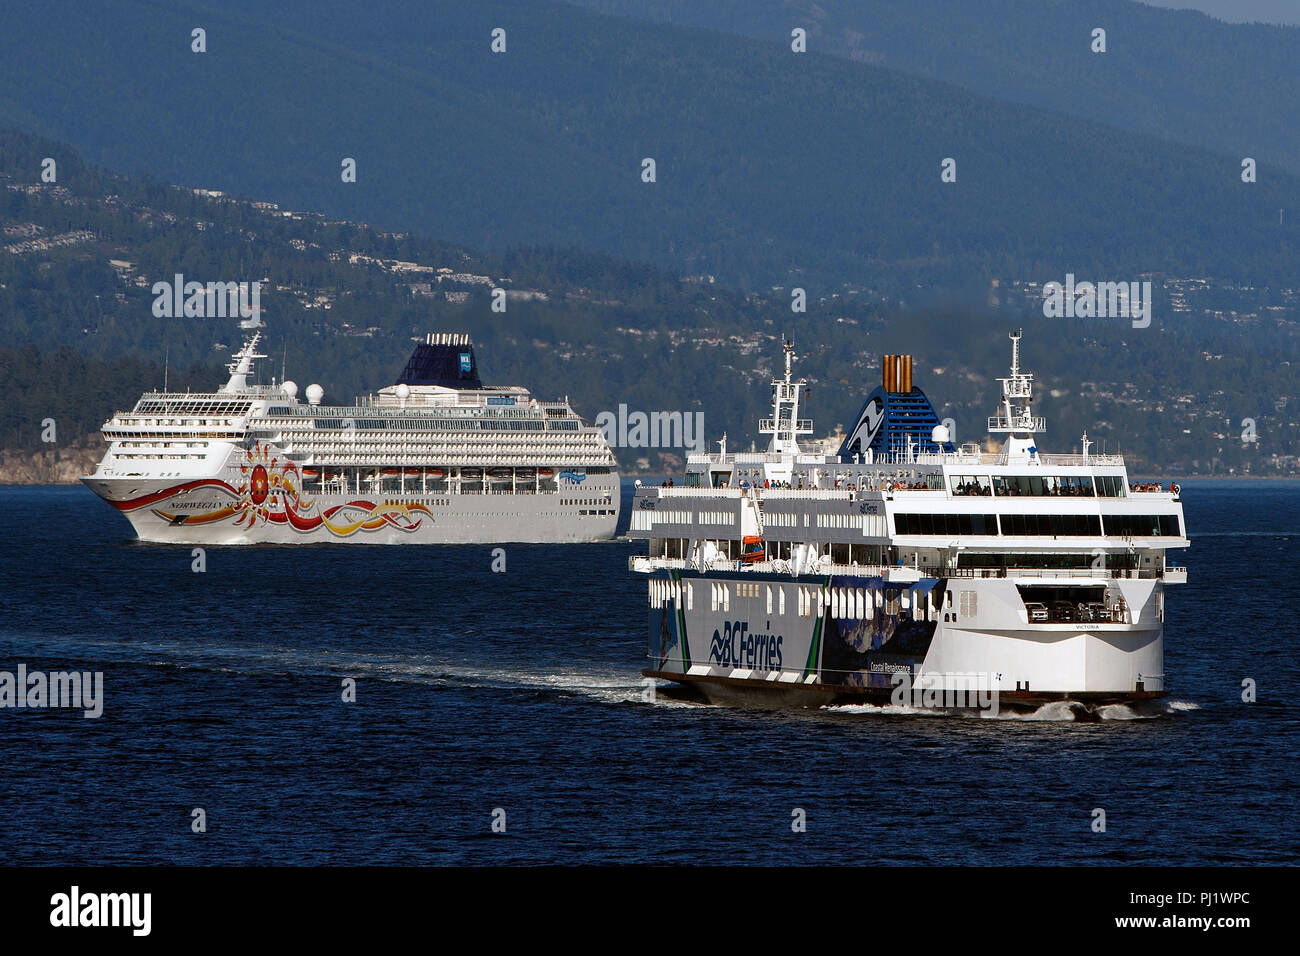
[[752, 550]]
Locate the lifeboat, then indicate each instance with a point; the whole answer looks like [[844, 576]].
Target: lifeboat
[[752, 550], [502, 474], [545, 472], [311, 473], [525, 474], [471, 474], [391, 472], [435, 473]]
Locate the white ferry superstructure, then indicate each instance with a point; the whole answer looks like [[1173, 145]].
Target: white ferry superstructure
[[818, 579], [437, 457]]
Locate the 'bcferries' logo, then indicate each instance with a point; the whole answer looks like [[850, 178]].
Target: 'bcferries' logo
[[572, 476], [735, 646]]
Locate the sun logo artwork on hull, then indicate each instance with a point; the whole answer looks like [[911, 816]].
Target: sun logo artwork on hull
[[269, 491], [269, 495]]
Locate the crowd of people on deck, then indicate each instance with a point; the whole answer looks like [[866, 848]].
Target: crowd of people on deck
[[776, 484], [1154, 486], [962, 488]]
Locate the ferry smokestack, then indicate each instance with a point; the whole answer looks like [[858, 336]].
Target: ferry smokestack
[[896, 374]]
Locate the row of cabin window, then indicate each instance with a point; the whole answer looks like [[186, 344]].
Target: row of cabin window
[[860, 603], [1040, 486], [1133, 526], [945, 524]]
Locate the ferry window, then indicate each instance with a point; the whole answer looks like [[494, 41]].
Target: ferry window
[[1110, 486], [1142, 526], [1050, 525], [971, 485], [950, 524], [1043, 486]]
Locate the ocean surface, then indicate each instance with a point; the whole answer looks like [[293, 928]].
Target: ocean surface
[[480, 692]]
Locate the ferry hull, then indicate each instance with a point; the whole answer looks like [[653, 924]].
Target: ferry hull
[[757, 693], [811, 641], [209, 511]]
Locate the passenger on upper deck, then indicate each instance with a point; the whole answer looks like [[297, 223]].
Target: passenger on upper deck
[[1149, 486]]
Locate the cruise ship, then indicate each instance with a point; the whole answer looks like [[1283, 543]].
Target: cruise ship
[[905, 569], [436, 457]]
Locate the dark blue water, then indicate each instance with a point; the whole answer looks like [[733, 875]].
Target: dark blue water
[[521, 691]]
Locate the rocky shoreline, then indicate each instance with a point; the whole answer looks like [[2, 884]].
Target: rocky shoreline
[[55, 466]]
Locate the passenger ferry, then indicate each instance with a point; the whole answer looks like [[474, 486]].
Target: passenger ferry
[[437, 457], [904, 561]]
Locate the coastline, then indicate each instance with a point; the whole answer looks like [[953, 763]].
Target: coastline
[[56, 466]]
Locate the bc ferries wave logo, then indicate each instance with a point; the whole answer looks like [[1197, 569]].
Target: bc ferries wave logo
[[572, 476], [864, 433]]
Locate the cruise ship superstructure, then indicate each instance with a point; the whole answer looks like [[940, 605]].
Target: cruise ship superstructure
[[437, 457], [817, 579]]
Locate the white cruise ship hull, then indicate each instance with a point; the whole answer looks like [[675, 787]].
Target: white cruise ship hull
[[437, 458], [210, 511], [735, 637]]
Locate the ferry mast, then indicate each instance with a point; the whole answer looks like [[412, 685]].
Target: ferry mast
[[785, 425], [1018, 420]]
